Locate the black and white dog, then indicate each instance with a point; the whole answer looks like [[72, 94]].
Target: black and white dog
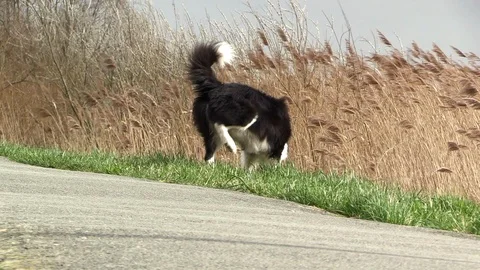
[[229, 113]]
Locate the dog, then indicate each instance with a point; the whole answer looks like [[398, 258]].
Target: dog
[[230, 113]]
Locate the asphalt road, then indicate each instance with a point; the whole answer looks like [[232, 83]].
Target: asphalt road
[[54, 219]]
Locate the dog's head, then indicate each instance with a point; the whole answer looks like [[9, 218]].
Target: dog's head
[[283, 130]]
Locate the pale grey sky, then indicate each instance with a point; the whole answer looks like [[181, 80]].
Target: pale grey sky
[[445, 22]]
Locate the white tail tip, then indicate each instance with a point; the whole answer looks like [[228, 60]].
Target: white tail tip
[[226, 53]]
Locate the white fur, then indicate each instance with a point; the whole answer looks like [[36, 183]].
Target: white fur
[[211, 160], [224, 135], [253, 149], [251, 123], [284, 153], [222, 132], [244, 160], [226, 54], [250, 161], [256, 150], [250, 142]]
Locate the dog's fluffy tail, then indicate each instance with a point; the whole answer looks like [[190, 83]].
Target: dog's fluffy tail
[[200, 70]]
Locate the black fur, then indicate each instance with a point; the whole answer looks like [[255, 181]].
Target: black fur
[[233, 104]]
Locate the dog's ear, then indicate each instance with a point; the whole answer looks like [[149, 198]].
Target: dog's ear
[[286, 99]]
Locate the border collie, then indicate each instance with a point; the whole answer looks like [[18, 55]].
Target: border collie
[[230, 113]]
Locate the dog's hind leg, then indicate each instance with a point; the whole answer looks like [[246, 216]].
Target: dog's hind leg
[[245, 160], [222, 131], [225, 137], [212, 144]]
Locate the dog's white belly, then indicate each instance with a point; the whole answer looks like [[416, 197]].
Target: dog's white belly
[[249, 142]]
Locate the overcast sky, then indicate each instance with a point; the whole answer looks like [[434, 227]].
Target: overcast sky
[[445, 22]]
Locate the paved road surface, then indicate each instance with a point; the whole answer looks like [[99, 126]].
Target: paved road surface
[[53, 219]]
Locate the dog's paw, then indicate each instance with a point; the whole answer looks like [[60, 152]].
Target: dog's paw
[[211, 161], [232, 148]]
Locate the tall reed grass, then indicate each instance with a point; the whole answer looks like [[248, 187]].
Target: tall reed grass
[[110, 76]]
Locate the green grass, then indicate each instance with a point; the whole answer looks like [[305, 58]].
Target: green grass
[[343, 194]]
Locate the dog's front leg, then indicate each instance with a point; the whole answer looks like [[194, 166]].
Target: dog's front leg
[[284, 154]]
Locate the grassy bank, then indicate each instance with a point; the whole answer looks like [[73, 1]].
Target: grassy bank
[[343, 194]]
